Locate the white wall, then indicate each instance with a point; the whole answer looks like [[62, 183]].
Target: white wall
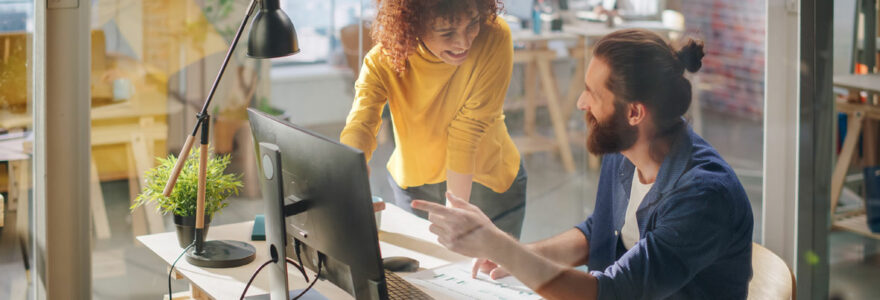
[[313, 94]]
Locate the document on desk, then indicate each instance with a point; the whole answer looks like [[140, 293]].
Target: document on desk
[[454, 281]]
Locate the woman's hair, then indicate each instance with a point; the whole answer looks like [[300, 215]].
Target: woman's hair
[[400, 23], [646, 69]]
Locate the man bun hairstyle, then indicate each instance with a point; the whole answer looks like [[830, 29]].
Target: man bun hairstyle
[[691, 55], [647, 69]]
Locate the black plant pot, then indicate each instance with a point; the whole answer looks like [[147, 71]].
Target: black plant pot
[[186, 229]]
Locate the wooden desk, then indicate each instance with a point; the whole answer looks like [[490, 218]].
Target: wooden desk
[[858, 114], [862, 82], [402, 234], [15, 150]]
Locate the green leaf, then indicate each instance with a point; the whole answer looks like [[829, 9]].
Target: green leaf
[[182, 201]]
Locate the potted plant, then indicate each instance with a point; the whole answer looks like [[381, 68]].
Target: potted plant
[[182, 202]]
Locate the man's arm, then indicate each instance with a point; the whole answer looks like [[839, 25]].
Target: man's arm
[[465, 229], [548, 278], [570, 248]]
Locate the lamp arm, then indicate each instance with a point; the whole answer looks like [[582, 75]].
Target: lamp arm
[[203, 114]]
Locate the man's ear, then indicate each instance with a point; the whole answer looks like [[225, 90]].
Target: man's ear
[[637, 113]]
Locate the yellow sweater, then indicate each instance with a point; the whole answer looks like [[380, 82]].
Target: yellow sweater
[[444, 116]]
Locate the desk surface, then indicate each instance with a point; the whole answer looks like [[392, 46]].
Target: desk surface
[[865, 82], [402, 234]]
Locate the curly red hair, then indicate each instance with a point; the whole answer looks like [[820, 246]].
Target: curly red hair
[[399, 23]]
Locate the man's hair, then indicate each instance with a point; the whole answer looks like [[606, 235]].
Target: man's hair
[[400, 23], [646, 69]]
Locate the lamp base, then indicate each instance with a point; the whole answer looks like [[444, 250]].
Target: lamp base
[[222, 254]]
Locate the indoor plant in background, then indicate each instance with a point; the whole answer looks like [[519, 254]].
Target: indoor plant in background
[[182, 202]]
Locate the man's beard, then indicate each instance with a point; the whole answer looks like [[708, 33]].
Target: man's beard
[[613, 135]]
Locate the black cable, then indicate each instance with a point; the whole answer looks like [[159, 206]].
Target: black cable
[[298, 267], [290, 261], [254, 276], [320, 264], [296, 247], [172, 268]]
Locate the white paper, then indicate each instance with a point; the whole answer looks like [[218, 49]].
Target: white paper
[[454, 281]]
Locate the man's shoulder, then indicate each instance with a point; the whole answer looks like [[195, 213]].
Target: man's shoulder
[[707, 170], [708, 177]]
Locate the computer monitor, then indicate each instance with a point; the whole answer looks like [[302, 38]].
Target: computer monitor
[[317, 196]]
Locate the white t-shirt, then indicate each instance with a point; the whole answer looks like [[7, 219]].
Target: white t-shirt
[[630, 231]]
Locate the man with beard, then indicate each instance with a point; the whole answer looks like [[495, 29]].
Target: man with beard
[[671, 218]]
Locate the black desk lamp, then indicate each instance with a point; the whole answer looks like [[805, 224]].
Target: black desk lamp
[[272, 35]]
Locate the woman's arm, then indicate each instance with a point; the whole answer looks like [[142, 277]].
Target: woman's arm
[[459, 184], [365, 117], [481, 109]]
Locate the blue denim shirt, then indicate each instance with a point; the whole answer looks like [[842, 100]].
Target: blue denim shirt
[[695, 229]]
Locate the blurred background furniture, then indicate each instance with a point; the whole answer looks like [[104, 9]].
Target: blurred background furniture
[[771, 277], [858, 126], [354, 51], [538, 61], [857, 87], [15, 150], [127, 132]]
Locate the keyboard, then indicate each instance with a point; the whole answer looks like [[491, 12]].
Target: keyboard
[[398, 288]]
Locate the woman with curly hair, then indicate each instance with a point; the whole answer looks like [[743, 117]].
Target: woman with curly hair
[[443, 67]]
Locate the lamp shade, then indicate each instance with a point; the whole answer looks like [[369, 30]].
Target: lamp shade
[[272, 34]]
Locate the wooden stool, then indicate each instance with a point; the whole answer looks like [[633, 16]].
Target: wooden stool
[[540, 59]]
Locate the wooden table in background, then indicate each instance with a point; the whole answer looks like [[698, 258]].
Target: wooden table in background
[[137, 124], [861, 118], [16, 149], [538, 60]]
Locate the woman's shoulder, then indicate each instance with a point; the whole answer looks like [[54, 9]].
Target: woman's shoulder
[[494, 36], [497, 31], [375, 59]]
